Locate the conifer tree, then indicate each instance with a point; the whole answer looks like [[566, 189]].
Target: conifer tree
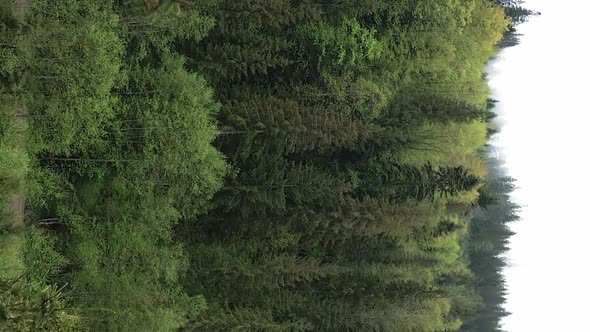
[[270, 184], [272, 125], [405, 182]]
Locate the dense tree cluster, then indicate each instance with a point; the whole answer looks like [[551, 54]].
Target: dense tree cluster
[[517, 14], [256, 165], [487, 244]]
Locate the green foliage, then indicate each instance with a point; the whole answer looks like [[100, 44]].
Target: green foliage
[[161, 23], [243, 319], [81, 55], [166, 123], [348, 152], [272, 125], [486, 246], [45, 187], [42, 260], [352, 130], [402, 182], [108, 177], [348, 46], [11, 263], [271, 185], [519, 14], [40, 308], [13, 165]]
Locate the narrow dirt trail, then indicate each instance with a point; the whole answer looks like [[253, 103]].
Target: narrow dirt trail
[[16, 204], [16, 208], [21, 7]]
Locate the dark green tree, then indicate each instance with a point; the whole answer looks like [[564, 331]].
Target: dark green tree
[[402, 182]]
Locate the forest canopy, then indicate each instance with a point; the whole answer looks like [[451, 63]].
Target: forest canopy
[[256, 165]]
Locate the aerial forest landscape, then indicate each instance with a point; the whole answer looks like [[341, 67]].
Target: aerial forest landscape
[[252, 165]]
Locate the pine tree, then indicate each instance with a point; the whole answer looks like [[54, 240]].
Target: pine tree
[[405, 182], [232, 62], [219, 319], [518, 14], [412, 111], [270, 184], [368, 217], [273, 125]]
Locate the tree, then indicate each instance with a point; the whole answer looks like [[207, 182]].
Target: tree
[[269, 184], [244, 319], [168, 126], [82, 62], [352, 131], [518, 14], [337, 48], [405, 182], [34, 307], [414, 110], [273, 125], [368, 217]]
